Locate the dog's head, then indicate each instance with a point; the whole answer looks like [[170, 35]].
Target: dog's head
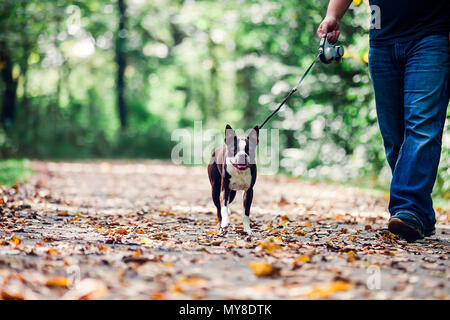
[[241, 151]]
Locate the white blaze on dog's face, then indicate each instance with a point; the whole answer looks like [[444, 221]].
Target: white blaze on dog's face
[[241, 151]]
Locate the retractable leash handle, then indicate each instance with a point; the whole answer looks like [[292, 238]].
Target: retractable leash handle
[[328, 52]]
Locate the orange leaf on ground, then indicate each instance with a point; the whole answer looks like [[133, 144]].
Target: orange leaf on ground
[[210, 233], [262, 269], [328, 290], [158, 296], [11, 296], [57, 282], [53, 251], [15, 240], [121, 231], [270, 244], [301, 260]]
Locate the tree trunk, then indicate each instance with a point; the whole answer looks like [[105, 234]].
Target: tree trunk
[[121, 64], [9, 98]]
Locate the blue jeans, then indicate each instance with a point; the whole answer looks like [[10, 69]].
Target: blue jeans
[[411, 84]]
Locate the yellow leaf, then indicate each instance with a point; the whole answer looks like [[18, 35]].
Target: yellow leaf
[[143, 241], [365, 57], [262, 269], [158, 296], [57, 282], [137, 253], [328, 290], [210, 233], [190, 281], [301, 260], [270, 244], [53, 251], [63, 214], [15, 240]]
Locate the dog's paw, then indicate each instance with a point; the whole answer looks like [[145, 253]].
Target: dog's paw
[[225, 223], [225, 219], [247, 228]]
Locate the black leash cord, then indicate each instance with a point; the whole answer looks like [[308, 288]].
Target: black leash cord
[[290, 93]]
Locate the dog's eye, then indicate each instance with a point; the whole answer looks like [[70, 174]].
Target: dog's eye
[[232, 146]]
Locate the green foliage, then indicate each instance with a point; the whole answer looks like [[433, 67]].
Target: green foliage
[[215, 61], [14, 171]]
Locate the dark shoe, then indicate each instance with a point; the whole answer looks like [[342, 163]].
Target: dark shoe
[[430, 232], [406, 226]]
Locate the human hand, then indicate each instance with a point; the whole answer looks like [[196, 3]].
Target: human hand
[[329, 24]]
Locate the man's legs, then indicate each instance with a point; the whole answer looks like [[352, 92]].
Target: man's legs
[[411, 91], [426, 96], [387, 79]]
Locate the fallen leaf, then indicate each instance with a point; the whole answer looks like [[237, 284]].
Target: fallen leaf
[[121, 231], [328, 290], [301, 260], [211, 233], [270, 244], [57, 282], [158, 296], [15, 240], [143, 241], [262, 269], [11, 296], [53, 251]]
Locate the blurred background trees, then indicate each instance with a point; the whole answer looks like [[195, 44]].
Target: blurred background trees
[[113, 78]]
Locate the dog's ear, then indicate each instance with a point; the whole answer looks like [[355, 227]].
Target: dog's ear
[[229, 133], [253, 136]]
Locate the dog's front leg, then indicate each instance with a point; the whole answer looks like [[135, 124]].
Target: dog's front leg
[[248, 197], [224, 210]]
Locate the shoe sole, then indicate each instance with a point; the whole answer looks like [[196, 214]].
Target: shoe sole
[[404, 230]]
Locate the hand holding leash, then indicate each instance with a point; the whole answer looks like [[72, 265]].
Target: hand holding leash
[[329, 52]]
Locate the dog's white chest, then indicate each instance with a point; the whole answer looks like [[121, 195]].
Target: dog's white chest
[[240, 179]]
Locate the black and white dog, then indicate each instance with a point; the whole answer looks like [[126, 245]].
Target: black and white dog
[[232, 168]]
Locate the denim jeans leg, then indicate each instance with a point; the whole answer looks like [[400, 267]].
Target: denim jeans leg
[[426, 97], [387, 80]]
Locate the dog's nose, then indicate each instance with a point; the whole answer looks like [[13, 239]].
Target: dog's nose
[[242, 159]]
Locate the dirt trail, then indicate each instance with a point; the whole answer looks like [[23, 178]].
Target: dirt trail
[[147, 230]]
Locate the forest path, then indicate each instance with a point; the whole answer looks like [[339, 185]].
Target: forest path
[[147, 230]]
